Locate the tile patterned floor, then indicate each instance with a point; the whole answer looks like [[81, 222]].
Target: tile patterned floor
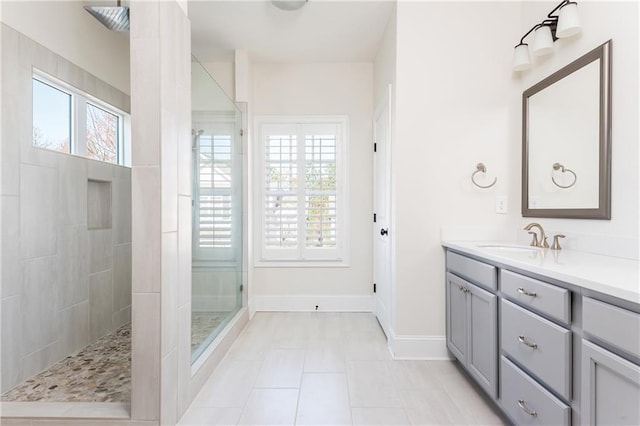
[[100, 372], [331, 369]]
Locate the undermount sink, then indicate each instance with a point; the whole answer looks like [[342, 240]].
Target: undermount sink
[[509, 248]]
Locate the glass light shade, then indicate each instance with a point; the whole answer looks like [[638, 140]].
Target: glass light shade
[[521, 59], [289, 4], [542, 41], [568, 21]]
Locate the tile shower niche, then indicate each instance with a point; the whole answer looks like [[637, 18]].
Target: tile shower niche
[[98, 204]]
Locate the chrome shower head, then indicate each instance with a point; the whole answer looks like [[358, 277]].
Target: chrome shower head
[[195, 136], [115, 18]]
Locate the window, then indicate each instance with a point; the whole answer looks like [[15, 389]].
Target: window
[[51, 117], [102, 134], [217, 188], [70, 121], [302, 189]]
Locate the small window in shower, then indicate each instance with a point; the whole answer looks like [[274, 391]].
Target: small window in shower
[[51, 117], [102, 134], [68, 120]]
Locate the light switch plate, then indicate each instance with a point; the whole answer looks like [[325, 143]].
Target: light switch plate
[[501, 204]]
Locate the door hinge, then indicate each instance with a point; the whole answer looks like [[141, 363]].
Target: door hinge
[[375, 147], [374, 287], [241, 288], [374, 218]]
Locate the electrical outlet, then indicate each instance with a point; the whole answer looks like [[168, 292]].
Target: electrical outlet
[[501, 204]]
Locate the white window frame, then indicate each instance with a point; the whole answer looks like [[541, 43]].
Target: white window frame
[[79, 102], [302, 256]]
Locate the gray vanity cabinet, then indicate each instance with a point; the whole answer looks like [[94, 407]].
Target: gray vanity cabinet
[[610, 370], [472, 330], [566, 355], [457, 317], [610, 388]]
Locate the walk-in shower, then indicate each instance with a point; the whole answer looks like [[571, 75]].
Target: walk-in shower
[[217, 250], [66, 232]]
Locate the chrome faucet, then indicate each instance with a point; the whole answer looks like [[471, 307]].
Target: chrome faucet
[[542, 242]]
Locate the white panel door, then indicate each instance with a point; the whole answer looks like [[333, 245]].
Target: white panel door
[[382, 212]]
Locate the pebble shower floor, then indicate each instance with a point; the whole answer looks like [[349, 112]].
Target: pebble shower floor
[[100, 372]]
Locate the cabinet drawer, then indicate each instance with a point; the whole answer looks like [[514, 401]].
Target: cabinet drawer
[[539, 345], [473, 270], [528, 403], [549, 299], [616, 326]]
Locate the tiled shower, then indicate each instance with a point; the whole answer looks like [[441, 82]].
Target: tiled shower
[[66, 232], [68, 226]]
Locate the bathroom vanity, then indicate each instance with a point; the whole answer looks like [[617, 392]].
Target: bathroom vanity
[[553, 337]]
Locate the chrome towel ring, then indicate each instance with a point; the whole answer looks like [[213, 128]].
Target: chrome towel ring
[[481, 168], [558, 166]]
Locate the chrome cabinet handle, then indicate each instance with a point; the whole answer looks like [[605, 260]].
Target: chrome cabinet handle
[[526, 293], [525, 409], [524, 341]]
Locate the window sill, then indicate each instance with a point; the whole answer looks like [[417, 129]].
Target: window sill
[[302, 264]]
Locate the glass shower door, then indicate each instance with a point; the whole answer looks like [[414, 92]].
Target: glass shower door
[[217, 250]]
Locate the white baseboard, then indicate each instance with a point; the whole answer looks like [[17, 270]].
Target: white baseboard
[[418, 347], [346, 303]]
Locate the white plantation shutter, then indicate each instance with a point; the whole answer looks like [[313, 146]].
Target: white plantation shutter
[[320, 191], [280, 194], [214, 199], [215, 196], [303, 187]]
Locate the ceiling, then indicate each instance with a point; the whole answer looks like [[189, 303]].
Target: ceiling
[[321, 31]]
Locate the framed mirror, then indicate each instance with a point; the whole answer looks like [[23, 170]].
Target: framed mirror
[[566, 141]]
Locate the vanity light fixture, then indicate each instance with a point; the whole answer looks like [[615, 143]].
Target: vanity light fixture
[[565, 23]]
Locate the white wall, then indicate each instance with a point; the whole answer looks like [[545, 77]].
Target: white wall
[[208, 93], [71, 32], [224, 74], [385, 61], [457, 104], [601, 21], [324, 89]]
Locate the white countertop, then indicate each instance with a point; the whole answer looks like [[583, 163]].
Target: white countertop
[[613, 276]]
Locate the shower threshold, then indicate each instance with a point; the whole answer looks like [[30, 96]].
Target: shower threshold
[[69, 410]]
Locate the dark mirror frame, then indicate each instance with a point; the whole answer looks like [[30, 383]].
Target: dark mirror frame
[[603, 53]]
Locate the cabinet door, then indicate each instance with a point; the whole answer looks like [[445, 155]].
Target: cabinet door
[[610, 388], [457, 317], [482, 342]]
